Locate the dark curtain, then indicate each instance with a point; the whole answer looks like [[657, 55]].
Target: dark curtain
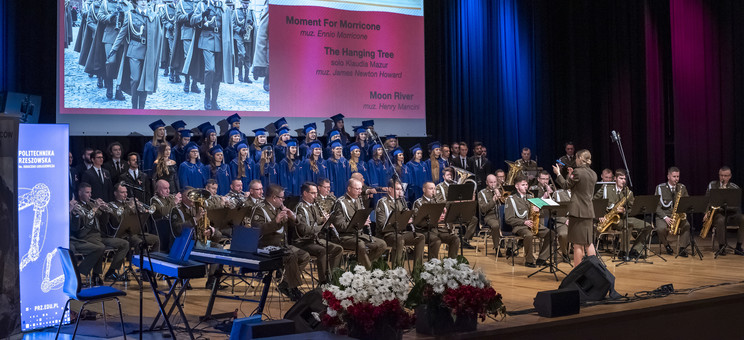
[[539, 73]]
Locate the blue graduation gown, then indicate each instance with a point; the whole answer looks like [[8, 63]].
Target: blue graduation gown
[[339, 174], [193, 175], [419, 174], [280, 152], [379, 173], [223, 177], [442, 165], [229, 154], [308, 175], [270, 174], [149, 155], [178, 154], [290, 180], [304, 149], [254, 154], [362, 169], [251, 172]]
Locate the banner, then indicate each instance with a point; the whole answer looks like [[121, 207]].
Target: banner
[[43, 221], [10, 318]]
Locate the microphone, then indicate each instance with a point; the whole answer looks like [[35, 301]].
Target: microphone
[[371, 134], [615, 137], [133, 187]]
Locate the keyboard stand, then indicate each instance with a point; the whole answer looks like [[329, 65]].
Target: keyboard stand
[[241, 275], [172, 293]]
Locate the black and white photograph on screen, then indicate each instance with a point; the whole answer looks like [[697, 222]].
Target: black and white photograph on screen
[[139, 54]]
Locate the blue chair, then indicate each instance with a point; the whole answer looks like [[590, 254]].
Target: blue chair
[[73, 290]]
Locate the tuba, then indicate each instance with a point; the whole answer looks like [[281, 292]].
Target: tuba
[[198, 197], [464, 176], [677, 218], [613, 216], [708, 222], [515, 168]]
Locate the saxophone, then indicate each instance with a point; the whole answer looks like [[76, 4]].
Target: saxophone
[[535, 218], [613, 216], [708, 222], [677, 218]]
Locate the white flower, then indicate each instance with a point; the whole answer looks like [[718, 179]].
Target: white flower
[[439, 289], [345, 279], [332, 313], [345, 303]]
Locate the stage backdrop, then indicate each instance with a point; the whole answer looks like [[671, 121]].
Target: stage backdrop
[[10, 313], [43, 221]]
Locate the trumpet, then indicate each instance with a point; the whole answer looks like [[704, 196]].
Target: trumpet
[[105, 207], [144, 208], [79, 210]]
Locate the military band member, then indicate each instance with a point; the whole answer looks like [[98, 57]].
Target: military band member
[[215, 42], [163, 201], [325, 198], [517, 214], [526, 162], [543, 187], [368, 247], [395, 201], [606, 175], [310, 238], [124, 207], [140, 39], [186, 214], [667, 193], [275, 222], [734, 213], [88, 229], [561, 223], [613, 194], [569, 159], [186, 57], [85, 233], [439, 235], [488, 202], [441, 196], [580, 210]]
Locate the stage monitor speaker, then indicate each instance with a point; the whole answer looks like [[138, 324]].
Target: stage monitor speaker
[[559, 302], [254, 328], [302, 312], [592, 279]]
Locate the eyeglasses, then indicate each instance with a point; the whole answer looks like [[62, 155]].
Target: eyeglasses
[[279, 197]]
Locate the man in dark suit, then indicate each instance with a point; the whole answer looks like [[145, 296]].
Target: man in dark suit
[[85, 164], [481, 165], [99, 178], [115, 165], [461, 161], [135, 177]]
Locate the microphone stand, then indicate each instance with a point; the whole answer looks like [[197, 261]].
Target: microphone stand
[[327, 225], [628, 188], [396, 180], [143, 250]]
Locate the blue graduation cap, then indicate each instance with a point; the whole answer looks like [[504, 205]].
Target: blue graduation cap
[[215, 149], [233, 131], [282, 131], [334, 133], [291, 142], [267, 148], [359, 129], [375, 147], [434, 145], [233, 118], [179, 124], [336, 144], [391, 137], [310, 127], [353, 146], [260, 132], [241, 146], [368, 123], [157, 124], [415, 148], [315, 144], [191, 146], [186, 133], [397, 152], [206, 128], [337, 117], [281, 122]]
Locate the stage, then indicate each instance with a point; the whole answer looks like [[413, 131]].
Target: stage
[[704, 313]]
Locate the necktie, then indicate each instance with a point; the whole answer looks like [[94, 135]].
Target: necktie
[[479, 162], [116, 164], [135, 174], [100, 175]]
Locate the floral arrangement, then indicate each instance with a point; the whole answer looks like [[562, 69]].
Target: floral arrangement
[[364, 301], [455, 285]]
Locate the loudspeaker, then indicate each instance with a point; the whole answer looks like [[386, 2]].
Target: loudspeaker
[[559, 302], [254, 328], [302, 312], [592, 279]]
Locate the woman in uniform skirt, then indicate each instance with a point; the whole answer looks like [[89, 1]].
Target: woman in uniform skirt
[[580, 210]]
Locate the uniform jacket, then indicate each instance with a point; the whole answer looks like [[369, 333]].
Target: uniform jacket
[[582, 189]]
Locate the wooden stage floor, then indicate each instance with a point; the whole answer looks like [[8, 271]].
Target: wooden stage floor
[[512, 282]]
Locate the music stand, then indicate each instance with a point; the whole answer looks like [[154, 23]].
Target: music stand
[[394, 222], [427, 217], [691, 205], [460, 192], [600, 206], [357, 223], [725, 198], [458, 213], [646, 206], [553, 212]]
